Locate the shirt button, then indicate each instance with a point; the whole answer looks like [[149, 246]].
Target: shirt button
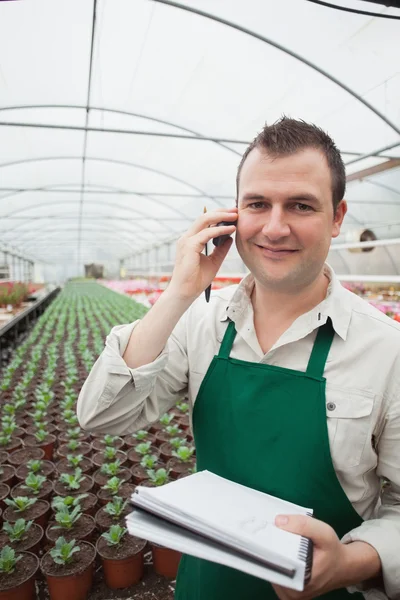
[[331, 406]]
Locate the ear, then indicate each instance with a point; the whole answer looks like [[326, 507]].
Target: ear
[[339, 215]]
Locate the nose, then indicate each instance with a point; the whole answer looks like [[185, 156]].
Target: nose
[[276, 225]]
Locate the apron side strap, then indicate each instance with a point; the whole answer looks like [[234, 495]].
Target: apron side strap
[[320, 351], [227, 342]]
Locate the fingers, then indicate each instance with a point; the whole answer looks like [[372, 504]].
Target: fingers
[[211, 218], [318, 531]]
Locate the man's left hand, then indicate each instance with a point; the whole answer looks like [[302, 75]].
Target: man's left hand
[[328, 559]]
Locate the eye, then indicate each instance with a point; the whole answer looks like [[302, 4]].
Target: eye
[[303, 207], [256, 205]]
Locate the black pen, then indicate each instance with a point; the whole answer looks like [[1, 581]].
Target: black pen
[[207, 291]]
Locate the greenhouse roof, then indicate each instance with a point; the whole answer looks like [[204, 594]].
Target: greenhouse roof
[[121, 119]]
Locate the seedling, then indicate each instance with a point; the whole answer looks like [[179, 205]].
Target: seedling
[[9, 409], [72, 481], [149, 461], [183, 453], [9, 428], [63, 552], [5, 439], [116, 507], [183, 407], [41, 435], [74, 461], [114, 535], [110, 453], [65, 518], [110, 439], [143, 448], [111, 469], [113, 485], [34, 483], [176, 442], [158, 477], [8, 560], [21, 503], [74, 433], [68, 501], [17, 531], [140, 435], [34, 466], [73, 445], [166, 419], [172, 430]]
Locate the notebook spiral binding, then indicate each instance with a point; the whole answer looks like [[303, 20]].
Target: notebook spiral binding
[[306, 555]]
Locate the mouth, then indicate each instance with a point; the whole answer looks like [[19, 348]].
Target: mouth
[[276, 252]]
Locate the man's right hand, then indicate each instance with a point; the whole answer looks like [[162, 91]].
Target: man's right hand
[[193, 271]]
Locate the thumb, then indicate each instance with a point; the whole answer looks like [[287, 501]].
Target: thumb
[[318, 531]]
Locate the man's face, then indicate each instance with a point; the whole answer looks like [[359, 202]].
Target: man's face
[[286, 219]]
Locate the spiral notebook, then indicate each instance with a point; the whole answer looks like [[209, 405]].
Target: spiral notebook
[[210, 517]]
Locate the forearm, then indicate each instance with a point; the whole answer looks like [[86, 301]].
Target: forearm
[[151, 334], [360, 563]]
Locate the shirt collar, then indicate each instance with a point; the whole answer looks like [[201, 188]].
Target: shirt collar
[[335, 305]]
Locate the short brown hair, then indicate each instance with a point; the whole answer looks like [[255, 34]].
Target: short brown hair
[[287, 136]]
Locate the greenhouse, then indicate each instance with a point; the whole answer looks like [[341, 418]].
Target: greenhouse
[[123, 124]]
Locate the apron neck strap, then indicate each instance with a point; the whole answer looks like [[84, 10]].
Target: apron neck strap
[[227, 342], [320, 351]]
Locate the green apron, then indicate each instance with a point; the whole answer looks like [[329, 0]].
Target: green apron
[[265, 427]]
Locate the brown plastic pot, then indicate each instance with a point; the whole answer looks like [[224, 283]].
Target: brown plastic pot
[[39, 513], [12, 445], [3, 456], [44, 493], [61, 490], [4, 493], [47, 470], [165, 561], [121, 573], [135, 458], [98, 444], [73, 585], [30, 543], [83, 529], [20, 457], [99, 458], [26, 589], [83, 448], [64, 467], [7, 474], [130, 441], [47, 445]]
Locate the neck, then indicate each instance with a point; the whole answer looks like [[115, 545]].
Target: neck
[[287, 306]]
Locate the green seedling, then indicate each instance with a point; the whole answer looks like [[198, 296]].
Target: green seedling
[[66, 519], [140, 435], [8, 560], [72, 481], [73, 433], [74, 461], [149, 461], [183, 453], [17, 531], [68, 501], [21, 503], [143, 448], [110, 453], [172, 430], [109, 440], [166, 419], [5, 439], [116, 507], [159, 477], [34, 466], [114, 535], [183, 407], [63, 552], [111, 469], [41, 435], [113, 485], [34, 483], [176, 442], [73, 445]]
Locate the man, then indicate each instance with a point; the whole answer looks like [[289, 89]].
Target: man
[[281, 371]]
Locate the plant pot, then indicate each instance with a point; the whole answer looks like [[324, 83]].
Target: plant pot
[[4, 493], [123, 565], [61, 490], [125, 491], [64, 438], [12, 445], [104, 520], [163, 436], [99, 459], [139, 474], [184, 422], [3, 457], [44, 493], [131, 441], [39, 513], [177, 467], [47, 445], [31, 429], [83, 448], [165, 560], [22, 456], [83, 529], [47, 469], [154, 427], [98, 444], [20, 585], [101, 479], [135, 458], [31, 542], [73, 581], [18, 432], [7, 475], [64, 467]]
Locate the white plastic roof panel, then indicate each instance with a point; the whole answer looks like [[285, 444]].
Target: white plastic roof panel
[[94, 164]]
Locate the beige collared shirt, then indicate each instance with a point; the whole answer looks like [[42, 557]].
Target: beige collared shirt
[[362, 393]]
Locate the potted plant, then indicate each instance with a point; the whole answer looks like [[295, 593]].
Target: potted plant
[[109, 454], [139, 472], [37, 467], [108, 470], [72, 461], [17, 574], [121, 556], [43, 440], [113, 513], [87, 502], [136, 454], [142, 435], [36, 486], [167, 448], [21, 536], [22, 456], [28, 508], [74, 447], [73, 523], [68, 569], [169, 432], [182, 461], [115, 487], [73, 482], [9, 443], [114, 441], [7, 474]]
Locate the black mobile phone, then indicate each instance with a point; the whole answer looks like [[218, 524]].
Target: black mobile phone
[[218, 241]]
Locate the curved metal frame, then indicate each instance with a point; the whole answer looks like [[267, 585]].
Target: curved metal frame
[[266, 40], [55, 231]]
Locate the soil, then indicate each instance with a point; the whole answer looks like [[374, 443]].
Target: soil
[[18, 433], [125, 491], [83, 527], [101, 478], [47, 468], [152, 587], [62, 490], [178, 467], [83, 559], [129, 546], [83, 448], [98, 444], [13, 444], [44, 492], [135, 458], [139, 473], [31, 441], [163, 436], [104, 520], [99, 458], [24, 569], [30, 539], [64, 467], [64, 437], [19, 457], [31, 429], [130, 440], [7, 473], [34, 512]]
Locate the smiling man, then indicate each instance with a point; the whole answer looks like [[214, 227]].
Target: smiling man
[[282, 367]]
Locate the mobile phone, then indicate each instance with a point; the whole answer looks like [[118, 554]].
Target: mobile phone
[[218, 241]]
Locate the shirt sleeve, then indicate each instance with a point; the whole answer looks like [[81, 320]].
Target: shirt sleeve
[[383, 531], [119, 400]]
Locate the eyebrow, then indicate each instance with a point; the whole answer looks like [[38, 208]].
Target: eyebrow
[[306, 197]]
